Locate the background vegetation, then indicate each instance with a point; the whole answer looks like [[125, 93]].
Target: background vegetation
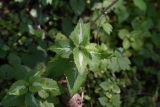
[[53, 48]]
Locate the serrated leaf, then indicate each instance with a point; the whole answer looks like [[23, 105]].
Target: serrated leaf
[[124, 63], [81, 59], [30, 100], [18, 88], [81, 34], [140, 4], [62, 48], [118, 62]]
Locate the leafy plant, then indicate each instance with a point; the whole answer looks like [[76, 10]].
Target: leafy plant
[[107, 51]]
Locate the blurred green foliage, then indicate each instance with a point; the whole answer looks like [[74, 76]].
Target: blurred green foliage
[[114, 60]]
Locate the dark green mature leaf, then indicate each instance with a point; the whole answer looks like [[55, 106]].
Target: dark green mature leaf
[[67, 25], [30, 100], [10, 101], [19, 70], [6, 72], [18, 88], [81, 59], [81, 34], [122, 12], [14, 59], [58, 67], [78, 6]]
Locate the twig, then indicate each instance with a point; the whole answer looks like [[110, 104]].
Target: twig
[[105, 11]]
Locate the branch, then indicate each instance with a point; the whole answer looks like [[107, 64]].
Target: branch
[[105, 11]]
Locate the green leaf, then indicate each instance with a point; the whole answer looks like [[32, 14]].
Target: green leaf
[[44, 84], [103, 101], [116, 100], [43, 94], [118, 62], [108, 28], [18, 88], [31, 101], [75, 80], [140, 4], [122, 13], [62, 48], [113, 64], [58, 67], [123, 34], [10, 101], [78, 6], [46, 104], [81, 34], [67, 25], [124, 63], [126, 44], [14, 59], [19, 70], [6, 72], [81, 59], [107, 85]]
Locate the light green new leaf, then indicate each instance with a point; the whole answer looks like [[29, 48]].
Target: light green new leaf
[[123, 34], [31, 101], [43, 94], [18, 88], [62, 48], [108, 28], [44, 84], [81, 34], [81, 59], [46, 104], [126, 44], [140, 4]]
